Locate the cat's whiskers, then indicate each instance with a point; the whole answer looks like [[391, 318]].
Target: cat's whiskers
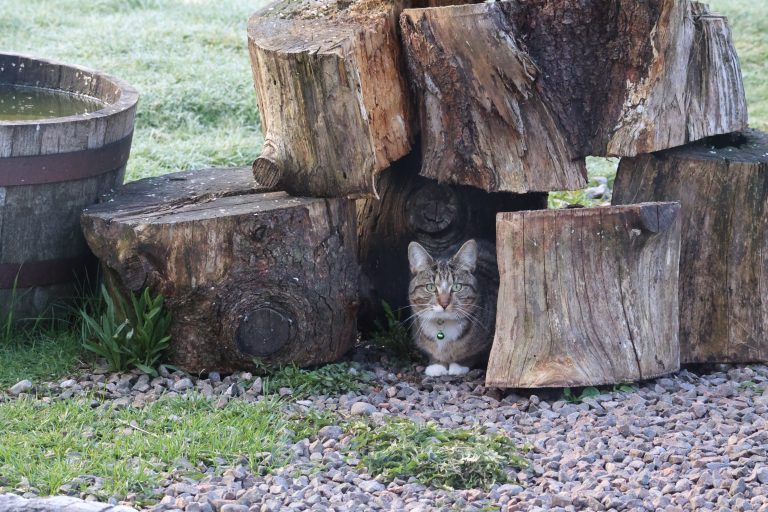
[[472, 318]]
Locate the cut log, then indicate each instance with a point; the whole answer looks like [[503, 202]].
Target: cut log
[[722, 184], [245, 274], [587, 296], [439, 217], [512, 95], [333, 101]]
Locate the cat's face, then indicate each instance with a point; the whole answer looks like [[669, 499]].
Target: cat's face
[[443, 289]]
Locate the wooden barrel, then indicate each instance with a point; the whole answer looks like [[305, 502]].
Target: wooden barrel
[[50, 170]]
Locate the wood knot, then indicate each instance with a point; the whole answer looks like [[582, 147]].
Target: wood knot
[[264, 331]]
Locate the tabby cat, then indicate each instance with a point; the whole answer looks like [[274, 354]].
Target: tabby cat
[[454, 306]]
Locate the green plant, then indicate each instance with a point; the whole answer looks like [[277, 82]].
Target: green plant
[[329, 379], [624, 387], [394, 336], [126, 335], [449, 458], [588, 392]]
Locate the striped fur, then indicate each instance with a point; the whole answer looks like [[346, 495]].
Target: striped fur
[[453, 298]]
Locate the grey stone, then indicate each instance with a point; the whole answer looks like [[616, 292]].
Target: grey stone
[[183, 385], [362, 409], [330, 432], [23, 386], [371, 486]]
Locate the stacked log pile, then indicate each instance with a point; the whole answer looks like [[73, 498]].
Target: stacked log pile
[[436, 117]]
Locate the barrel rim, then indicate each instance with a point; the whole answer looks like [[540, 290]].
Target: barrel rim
[[127, 100]]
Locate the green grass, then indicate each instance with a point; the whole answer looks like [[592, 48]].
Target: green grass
[[134, 449], [188, 59], [40, 356], [448, 458]]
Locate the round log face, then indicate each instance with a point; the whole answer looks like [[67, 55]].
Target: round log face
[[722, 185], [586, 297]]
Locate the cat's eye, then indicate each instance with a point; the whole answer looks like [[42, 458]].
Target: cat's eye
[[431, 287], [456, 287]]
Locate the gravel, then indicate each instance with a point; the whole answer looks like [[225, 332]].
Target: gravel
[[689, 441]]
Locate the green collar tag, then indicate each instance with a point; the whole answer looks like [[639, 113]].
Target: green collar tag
[[440, 335]]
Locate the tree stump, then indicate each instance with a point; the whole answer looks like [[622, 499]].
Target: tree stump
[[333, 101], [510, 96], [245, 274], [586, 297], [722, 185], [413, 208]]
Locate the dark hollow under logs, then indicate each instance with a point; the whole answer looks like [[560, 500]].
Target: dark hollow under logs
[[440, 217]]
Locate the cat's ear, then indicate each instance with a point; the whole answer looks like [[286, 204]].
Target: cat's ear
[[419, 258], [466, 257]]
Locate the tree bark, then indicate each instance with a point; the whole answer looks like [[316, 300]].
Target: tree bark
[[512, 95], [245, 274], [587, 296], [333, 102], [722, 185], [439, 217]]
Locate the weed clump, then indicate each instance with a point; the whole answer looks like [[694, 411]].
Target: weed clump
[[126, 335], [329, 379], [448, 458], [394, 335]]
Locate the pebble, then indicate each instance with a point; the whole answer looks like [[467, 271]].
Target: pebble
[[23, 386], [684, 441], [362, 409]]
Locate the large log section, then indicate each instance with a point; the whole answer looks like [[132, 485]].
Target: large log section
[[245, 275], [332, 98], [512, 95], [587, 296], [722, 184]]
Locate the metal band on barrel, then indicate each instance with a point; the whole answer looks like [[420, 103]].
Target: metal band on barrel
[[74, 165], [42, 273]]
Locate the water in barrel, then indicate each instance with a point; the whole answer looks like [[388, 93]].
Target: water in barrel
[[24, 103]]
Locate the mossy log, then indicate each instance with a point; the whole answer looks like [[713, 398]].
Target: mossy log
[[513, 95], [245, 274], [722, 184], [587, 296]]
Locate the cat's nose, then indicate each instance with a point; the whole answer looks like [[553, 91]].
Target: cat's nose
[[444, 299]]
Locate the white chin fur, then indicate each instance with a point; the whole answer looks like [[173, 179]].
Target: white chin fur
[[435, 370]]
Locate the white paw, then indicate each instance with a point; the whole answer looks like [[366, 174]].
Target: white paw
[[436, 370], [457, 369]]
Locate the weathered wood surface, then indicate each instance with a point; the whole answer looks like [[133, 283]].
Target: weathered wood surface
[[413, 208], [245, 274], [722, 185], [333, 102], [587, 296], [512, 95], [50, 169]]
